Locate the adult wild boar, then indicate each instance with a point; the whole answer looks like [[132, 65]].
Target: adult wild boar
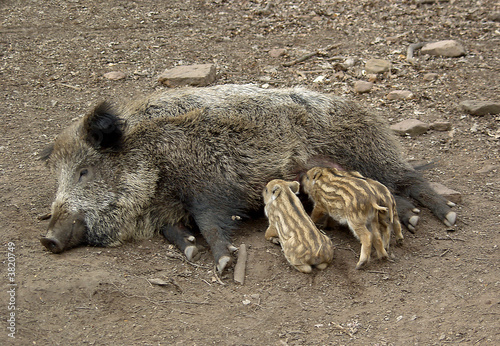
[[197, 157]]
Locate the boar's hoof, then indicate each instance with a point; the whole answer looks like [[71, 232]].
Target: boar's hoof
[[416, 210], [222, 263], [450, 219], [450, 204], [232, 248], [322, 266], [412, 223], [191, 252], [52, 244]]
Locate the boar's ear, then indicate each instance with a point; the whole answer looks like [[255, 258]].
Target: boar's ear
[[294, 186], [103, 128], [45, 153]]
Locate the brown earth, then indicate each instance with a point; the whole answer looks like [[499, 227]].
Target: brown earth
[[442, 286]]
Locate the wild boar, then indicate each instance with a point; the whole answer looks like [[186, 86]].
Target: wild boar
[[303, 244], [195, 157]]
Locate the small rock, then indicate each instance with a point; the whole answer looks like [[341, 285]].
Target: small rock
[[195, 75], [495, 16], [339, 75], [377, 66], [319, 79], [412, 127], [362, 87], [450, 48], [487, 169], [480, 107], [246, 302], [400, 95], [449, 194], [277, 52], [428, 77], [372, 77], [441, 126], [115, 75]]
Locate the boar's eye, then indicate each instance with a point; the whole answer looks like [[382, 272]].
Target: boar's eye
[[83, 175]]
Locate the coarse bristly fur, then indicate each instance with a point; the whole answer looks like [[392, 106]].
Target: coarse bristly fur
[[196, 157], [303, 244], [365, 205]]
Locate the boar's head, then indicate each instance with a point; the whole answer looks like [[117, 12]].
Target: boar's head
[[92, 183]]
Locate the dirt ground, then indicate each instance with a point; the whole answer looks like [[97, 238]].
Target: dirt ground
[[443, 286]]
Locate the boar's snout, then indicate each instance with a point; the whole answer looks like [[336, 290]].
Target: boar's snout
[[65, 231]]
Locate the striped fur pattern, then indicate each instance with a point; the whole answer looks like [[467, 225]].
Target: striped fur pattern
[[365, 206], [303, 244]]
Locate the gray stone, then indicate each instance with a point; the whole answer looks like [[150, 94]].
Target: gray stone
[[449, 194], [362, 86], [377, 66], [450, 48], [412, 127], [195, 75], [277, 52], [430, 77], [474, 107], [115, 75], [400, 95], [441, 126]]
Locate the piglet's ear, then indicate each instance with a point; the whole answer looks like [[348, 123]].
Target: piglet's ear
[[294, 186], [103, 128]]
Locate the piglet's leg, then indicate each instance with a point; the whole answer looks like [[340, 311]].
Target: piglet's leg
[[272, 234], [180, 236], [365, 237]]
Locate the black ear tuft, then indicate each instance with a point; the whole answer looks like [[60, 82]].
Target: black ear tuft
[[103, 128], [45, 153]]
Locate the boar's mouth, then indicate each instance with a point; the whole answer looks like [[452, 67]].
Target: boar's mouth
[[65, 232]]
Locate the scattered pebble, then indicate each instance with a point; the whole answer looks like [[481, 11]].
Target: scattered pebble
[[195, 75], [362, 87], [412, 127], [487, 169], [449, 194], [428, 77], [449, 48], [115, 75], [474, 107], [377, 66], [441, 126], [400, 95], [319, 79], [277, 52]]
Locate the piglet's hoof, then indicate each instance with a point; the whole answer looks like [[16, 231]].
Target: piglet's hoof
[[222, 263]]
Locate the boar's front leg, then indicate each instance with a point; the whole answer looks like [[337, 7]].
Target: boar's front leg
[[215, 223], [180, 236]]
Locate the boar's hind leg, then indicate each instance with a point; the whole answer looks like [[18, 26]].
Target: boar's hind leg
[[406, 213], [425, 195], [180, 236]]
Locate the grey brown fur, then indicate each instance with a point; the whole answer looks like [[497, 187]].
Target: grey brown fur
[[193, 158], [302, 243], [365, 205]]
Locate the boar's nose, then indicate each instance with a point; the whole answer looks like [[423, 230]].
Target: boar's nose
[[52, 244], [65, 232]]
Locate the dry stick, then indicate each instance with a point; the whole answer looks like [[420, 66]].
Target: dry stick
[[444, 253], [239, 268], [411, 49], [310, 55]]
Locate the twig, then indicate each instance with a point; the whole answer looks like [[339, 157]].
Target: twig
[[411, 49], [444, 253], [310, 55], [71, 86], [449, 238], [180, 257], [376, 272], [239, 268], [217, 278]]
